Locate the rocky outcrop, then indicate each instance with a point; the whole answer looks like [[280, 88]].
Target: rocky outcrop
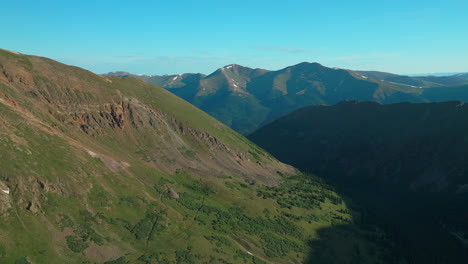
[[173, 194], [117, 113], [5, 202]]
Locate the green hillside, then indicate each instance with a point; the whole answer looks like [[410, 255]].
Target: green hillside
[[101, 169]]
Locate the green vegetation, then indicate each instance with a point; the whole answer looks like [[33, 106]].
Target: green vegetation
[[22, 261], [76, 244], [303, 192], [18, 57], [2, 250], [149, 225]]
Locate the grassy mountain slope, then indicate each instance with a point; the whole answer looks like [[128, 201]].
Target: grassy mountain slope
[[447, 93], [101, 169], [463, 75], [406, 162]]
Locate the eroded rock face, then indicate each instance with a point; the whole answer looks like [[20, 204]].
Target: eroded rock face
[[129, 113], [27, 192], [117, 113], [8, 76], [33, 206]]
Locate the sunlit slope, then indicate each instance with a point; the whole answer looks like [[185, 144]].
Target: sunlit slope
[[96, 169]]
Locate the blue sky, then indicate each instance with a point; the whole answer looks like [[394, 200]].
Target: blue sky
[[167, 37]]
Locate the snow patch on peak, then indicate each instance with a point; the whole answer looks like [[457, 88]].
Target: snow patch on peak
[[362, 76], [230, 66]]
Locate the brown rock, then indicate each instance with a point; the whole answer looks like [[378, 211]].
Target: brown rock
[[173, 194]]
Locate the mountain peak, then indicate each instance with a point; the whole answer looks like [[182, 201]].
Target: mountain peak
[[307, 66], [117, 73], [305, 63], [233, 67]]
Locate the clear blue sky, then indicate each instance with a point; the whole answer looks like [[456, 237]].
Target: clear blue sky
[[166, 37]]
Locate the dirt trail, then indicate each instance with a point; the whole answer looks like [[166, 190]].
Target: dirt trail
[[22, 223]]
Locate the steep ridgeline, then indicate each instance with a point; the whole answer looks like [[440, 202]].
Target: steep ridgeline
[[407, 162], [246, 99], [101, 169]]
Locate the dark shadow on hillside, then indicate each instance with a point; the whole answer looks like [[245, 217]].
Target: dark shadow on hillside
[[419, 229], [345, 244], [357, 242]]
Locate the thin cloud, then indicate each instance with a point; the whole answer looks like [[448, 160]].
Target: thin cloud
[[365, 61], [286, 49], [376, 55]]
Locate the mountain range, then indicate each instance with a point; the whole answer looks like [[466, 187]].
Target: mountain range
[[97, 169], [405, 162], [111, 169], [245, 99]]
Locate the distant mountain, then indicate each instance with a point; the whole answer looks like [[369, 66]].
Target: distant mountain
[[408, 163], [246, 99], [390, 77], [445, 80], [165, 81], [463, 75], [434, 74], [419, 81]]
